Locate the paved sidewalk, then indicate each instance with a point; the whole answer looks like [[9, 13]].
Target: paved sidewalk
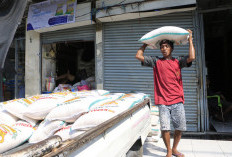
[[191, 148]]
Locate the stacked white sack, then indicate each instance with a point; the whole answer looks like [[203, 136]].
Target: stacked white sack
[[104, 111], [176, 34], [155, 132], [6, 117], [42, 106], [131, 98], [66, 133], [45, 130], [17, 107], [15, 135], [91, 93], [71, 110]]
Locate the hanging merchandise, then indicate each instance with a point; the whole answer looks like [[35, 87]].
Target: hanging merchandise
[[50, 84]]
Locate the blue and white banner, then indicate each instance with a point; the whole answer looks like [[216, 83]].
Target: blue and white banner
[[50, 13]]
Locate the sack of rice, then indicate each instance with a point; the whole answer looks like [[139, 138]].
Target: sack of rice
[[17, 107], [45, 130], [155, 110], [176, 34], [92, 93], [41, 107], [11, 137], [65, 133], [131, 99], [155, 130], [6, 117], [103, 111], [71, 110], [93, 118], [154, 120]]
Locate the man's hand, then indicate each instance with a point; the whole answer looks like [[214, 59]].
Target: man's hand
[[190, 35], [139, 54], [191, 47]]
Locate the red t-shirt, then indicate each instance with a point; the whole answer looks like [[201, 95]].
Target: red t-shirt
[[168, 86]]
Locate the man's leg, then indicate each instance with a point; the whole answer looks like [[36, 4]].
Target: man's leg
[[179, 123], [166, 139], [164, 114], [177, 137]]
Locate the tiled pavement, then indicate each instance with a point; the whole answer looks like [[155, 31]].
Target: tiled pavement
[[194, 146]]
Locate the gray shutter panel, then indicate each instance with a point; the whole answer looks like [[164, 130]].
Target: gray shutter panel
[[124, 73], [84, 33]]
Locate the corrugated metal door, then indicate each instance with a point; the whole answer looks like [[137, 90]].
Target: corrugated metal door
[[123, 73], [84, 33]]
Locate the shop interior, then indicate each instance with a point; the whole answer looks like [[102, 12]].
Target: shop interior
[[68, 66], [14, 71], [218, 47]]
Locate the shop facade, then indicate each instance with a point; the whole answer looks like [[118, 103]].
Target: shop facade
[[115, 43]]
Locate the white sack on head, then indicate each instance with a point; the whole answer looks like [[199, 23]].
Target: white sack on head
[[11, 137], [175, 34], [45, 130]]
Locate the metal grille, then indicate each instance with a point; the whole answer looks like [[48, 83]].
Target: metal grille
[[84, 33], [124, 73]]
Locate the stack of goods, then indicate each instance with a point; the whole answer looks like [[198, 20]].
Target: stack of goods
[[155, 133], [67, 114], [87, 84]]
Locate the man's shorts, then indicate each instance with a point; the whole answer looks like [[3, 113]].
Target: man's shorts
[[174, 112]]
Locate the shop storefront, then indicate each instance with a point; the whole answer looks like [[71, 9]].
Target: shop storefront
[[74, 53], [123, 73], [113, 45]]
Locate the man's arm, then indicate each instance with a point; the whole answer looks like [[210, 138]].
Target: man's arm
[[139, 54], [191, 48]]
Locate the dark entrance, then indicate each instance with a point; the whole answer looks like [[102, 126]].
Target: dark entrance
[[218, 54]]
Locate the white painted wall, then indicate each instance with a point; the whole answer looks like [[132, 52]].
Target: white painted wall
[[107, 8], [137, 15], [32, 59]]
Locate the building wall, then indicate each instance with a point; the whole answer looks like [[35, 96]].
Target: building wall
[[99, 57], [33, 46], [32, 64]]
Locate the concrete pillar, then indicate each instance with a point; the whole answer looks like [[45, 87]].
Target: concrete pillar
[[99, 57], [32, 64]]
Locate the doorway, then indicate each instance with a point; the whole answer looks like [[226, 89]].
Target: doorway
[[218, 46], [72, 66]]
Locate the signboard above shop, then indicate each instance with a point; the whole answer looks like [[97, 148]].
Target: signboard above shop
[[50, 13]]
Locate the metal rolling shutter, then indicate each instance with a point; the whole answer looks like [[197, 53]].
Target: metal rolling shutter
[[123, 73], [84, 33]]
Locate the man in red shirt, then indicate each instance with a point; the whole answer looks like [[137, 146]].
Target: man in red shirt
[[168, 89]]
